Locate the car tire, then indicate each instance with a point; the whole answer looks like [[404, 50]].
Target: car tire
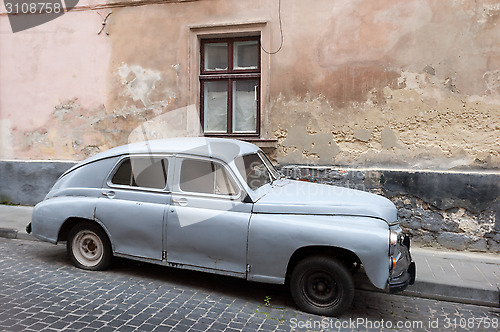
[[88, 247], [322, 285]]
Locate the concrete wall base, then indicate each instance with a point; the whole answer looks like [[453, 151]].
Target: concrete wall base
[[27, 182]]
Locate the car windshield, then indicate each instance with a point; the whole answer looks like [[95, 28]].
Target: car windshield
[[256, 169]]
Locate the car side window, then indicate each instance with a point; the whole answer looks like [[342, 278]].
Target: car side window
[[206, 177], [145, 172]]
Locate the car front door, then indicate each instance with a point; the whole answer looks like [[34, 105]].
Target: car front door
[[133, 206], [208, 221]]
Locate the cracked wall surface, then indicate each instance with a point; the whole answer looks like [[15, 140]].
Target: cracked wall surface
[[390, 84], [52, 82], [357, 83]]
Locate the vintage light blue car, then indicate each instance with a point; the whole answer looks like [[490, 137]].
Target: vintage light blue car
[[219, 205]]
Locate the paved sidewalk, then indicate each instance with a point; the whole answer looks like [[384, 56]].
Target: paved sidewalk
[[441, 274], [13, 221]]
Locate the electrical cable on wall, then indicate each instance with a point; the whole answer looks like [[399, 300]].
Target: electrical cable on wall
[[104, 22], [281, 33]]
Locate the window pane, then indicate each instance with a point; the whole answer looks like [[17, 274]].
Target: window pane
[[197, 176], [123, 175], [224, 184], [149, 172], [246, 54], [216, 56], [142, 172], [253, 170], [245, 106], [215, 106], [206, 177]]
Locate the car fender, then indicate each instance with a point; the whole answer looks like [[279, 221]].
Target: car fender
[[49, 216], [273, 239]]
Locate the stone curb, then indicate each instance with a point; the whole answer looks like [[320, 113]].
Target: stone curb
[[8, 233], [471, 295], [14, 234]]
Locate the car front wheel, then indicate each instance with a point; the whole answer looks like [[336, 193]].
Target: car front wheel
[[89, 247], [322, 285]]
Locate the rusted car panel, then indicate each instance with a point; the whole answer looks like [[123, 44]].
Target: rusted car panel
[[219, 206]]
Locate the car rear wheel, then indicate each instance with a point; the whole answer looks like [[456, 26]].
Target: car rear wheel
[[322, 285], [89, 247]]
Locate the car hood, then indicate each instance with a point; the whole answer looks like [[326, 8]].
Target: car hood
[[299, 197]]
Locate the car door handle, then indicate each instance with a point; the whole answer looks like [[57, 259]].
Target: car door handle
[[109, 194], [180, 201]]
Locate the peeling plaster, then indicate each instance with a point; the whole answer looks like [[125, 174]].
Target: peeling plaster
[[490, 10], [363, 135], [492, 81], [140, 82], [303, 144], [419, 124], [183, 122], [389, 139], [90, 131], [177, 69]]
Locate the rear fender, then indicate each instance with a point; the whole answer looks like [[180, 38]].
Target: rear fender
[[50, 215]]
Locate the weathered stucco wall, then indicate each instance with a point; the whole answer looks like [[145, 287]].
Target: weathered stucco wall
[[412, 84], [152, 70], [356, 83], [52, 80]]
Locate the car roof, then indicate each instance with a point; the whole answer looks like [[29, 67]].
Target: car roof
[[220, 148]]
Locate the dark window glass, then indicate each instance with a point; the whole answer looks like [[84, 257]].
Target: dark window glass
[[253, 169], [145, 172], [206, 177]]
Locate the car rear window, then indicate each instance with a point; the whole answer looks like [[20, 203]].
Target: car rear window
[[145, 172]]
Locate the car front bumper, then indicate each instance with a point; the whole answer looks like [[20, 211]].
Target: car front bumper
[[399, 282]]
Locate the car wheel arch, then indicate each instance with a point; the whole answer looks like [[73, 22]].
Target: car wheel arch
[[71, 222], [347, 257]]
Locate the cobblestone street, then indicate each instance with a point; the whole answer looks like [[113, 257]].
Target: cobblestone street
[[41, 290]]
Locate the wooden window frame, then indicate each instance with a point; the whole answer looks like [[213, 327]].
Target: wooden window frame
[[230, 75]]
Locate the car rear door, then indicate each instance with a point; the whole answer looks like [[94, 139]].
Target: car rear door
[[208, 219], [133, 205]]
